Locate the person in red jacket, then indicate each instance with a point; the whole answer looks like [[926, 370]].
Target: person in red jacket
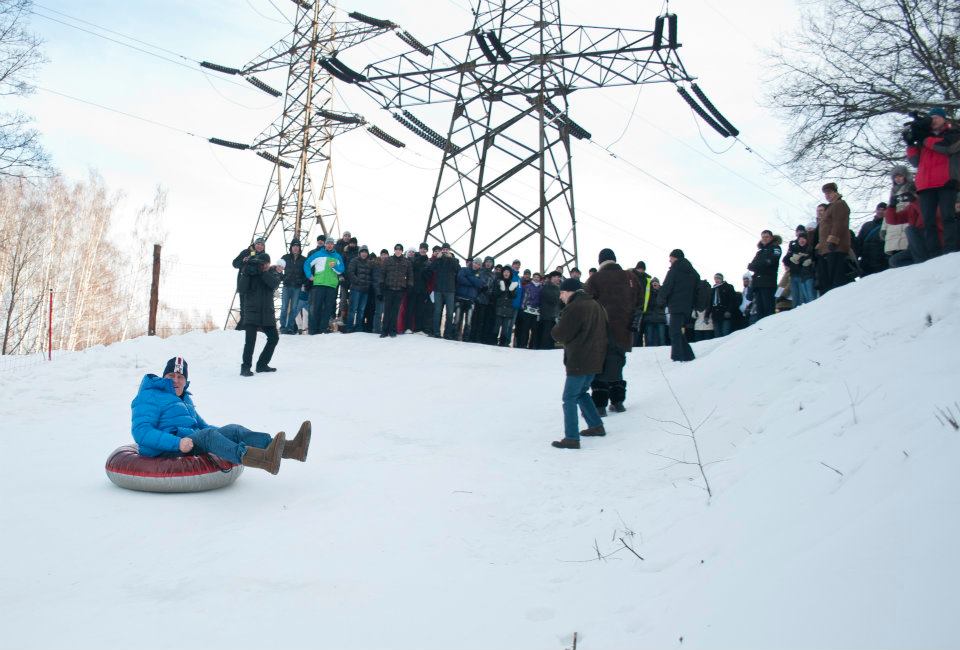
[[937, 159]]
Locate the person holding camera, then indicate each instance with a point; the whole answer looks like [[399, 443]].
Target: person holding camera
[[258, 284], [934, 148]]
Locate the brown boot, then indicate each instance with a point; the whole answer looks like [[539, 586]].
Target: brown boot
[[297, 448], [594, 431], [267, 459]]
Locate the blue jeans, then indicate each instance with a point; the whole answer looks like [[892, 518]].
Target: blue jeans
[[229, 442], [656, 334], [443, 299], [722, 327], [289, 300], [358, 304], [801, 291], [576, 395]]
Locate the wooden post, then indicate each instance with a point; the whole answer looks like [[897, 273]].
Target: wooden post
[[154, 292]]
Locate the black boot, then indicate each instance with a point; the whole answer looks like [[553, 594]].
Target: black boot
[[245, 371], [617, 407], [265, 368], [602, 411], [566, 443]]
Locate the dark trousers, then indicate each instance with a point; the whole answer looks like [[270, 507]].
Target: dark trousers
[[505, 330], [655, 334], [483, 328], [765, 301], [391, 309], [443, 299], [526, 327], [250, 340], [416, 318], [680, 350], [323, 302], [944, 199], [544, 337], [832, 271]]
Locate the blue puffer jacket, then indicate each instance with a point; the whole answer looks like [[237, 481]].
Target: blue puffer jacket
[[160, 418]]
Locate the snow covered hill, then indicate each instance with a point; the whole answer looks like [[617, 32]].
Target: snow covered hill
[[433, 513]]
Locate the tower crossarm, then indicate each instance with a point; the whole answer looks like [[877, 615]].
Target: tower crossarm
[[579, 57]]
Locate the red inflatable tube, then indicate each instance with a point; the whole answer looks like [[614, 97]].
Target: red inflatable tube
[[191, 473]]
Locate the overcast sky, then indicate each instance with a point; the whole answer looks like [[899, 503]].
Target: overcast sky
[[384, 194]]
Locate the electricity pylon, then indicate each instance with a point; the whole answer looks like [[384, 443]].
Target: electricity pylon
[[506, 173], [301, 138]]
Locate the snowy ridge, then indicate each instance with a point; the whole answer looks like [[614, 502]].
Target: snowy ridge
[[432, 512]]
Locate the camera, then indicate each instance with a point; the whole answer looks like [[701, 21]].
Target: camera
[[917, 129]]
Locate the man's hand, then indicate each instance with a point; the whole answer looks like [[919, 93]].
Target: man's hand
[[186, 445], [795, 258]]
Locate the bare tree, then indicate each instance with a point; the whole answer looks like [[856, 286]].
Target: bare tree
[[20, 56], [846, 79]]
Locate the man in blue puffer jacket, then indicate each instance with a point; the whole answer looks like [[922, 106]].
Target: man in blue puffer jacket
[[165, 422]]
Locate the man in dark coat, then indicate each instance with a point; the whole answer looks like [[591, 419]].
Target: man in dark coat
[[359, 275], [765, 265], [259, 282], [256, 248], [418, 303], [723, 305], [618, 292], [582, 331], [294, 281], [869, 244], [396, 279], [677, 295], [445, 269], [549, 310], [484, 318]]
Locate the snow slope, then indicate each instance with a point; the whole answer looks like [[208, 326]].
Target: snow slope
[[432, 512]]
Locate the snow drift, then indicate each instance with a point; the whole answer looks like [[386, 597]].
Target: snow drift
[[432, 512]]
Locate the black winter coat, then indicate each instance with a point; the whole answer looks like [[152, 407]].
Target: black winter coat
[[504, 291], [420, 274], [444, 269], [550, 302], [654, 314], [804, 267], [766, 264], [293, 275], [487, 277], [679, 288], [617, 291], [723, 300], [258, 291], [360, 274]]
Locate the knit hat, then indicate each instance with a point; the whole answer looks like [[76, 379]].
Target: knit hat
[[282, 263], [176, 364], [444, 245], [398, 246], [424, 245], [937, 111], [477, 261], [571, 284], [295, 242], [364, 248], [488, 259], [259, 240], [676, 252], [330, 240], [321, 238], [800, 228], [384, 251], [607, 255]]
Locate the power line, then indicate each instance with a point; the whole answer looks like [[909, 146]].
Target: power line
[[115, 110], [131, 46]]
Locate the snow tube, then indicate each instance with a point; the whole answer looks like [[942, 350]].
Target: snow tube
[[128, 469]]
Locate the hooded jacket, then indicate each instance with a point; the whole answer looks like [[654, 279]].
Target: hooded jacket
[[679, 288], [293, 275], [937, 160], [323, 268], [160, 418]]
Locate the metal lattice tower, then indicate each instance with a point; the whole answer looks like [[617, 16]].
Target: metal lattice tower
[[300, 141], [506, 174]]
